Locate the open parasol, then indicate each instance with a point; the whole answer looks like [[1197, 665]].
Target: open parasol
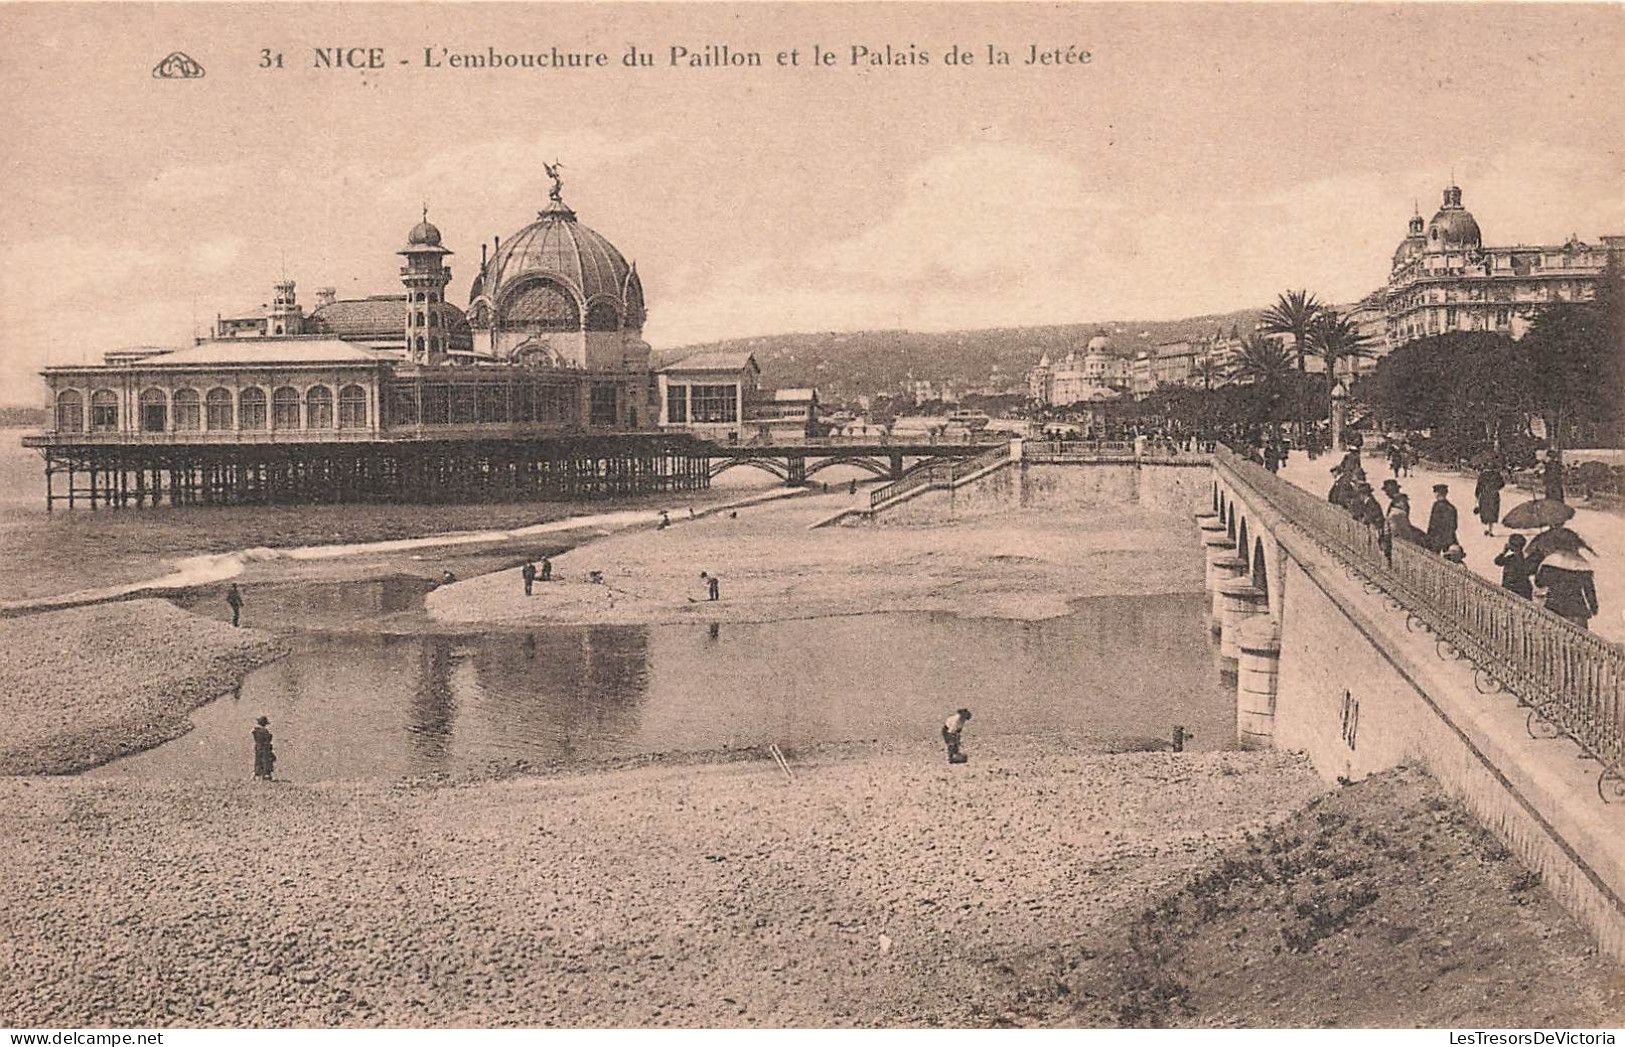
[[1537, 513]]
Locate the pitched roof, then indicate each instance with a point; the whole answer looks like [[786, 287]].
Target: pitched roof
[[795, 395], [265, 351], [714, 361]]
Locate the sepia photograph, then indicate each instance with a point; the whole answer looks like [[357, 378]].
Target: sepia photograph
[[887, 515]]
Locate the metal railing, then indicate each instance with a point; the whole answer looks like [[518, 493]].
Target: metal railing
[[939, 474], [1062, 451], [1571, 680]]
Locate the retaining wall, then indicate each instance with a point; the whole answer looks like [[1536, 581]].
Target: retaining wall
[[1159, 488], [1361, 688]]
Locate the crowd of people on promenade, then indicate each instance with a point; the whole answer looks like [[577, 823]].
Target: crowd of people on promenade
[[1551, 566]]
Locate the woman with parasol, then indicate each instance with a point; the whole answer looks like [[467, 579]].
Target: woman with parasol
[[1571, 591]]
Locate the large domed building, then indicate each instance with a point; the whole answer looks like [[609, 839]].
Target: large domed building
[[558, 294], [1444, 279], [542, 387]]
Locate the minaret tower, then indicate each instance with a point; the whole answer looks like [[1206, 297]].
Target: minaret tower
[[284, 316], [425, 276]]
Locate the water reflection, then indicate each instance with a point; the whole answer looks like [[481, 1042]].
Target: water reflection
[[343, 706]]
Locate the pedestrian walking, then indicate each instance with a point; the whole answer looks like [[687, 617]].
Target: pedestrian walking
[[264, 755], [952, 732], [1396, 459], [234, 600], [528, 573], [1571, 590], [1487, 493], [713, 586], [1515, 568], [547, 569], [1441, 520]]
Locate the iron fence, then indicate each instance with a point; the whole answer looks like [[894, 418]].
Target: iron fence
[[1571, 680]]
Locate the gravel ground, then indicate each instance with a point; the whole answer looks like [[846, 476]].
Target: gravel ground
[[82, 686], [1025, 564], [877, 888], [1383, 904]]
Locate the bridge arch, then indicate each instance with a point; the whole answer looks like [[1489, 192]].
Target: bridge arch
[[1244, 550], [767, 465], [869, 465], [1261, 578]]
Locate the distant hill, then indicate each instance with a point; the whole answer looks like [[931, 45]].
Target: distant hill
[[844, 364]]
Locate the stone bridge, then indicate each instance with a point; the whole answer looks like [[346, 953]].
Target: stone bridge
[[1365, 658]]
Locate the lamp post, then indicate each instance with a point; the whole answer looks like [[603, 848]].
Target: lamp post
[[1340, 397]]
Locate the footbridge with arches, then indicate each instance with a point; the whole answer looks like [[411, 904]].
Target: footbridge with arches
[[797, 460]]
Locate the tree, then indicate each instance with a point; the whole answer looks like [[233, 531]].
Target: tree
[[1208, 370], [1293, 313], [1573, 367], [1264, 365], [1334, 338]]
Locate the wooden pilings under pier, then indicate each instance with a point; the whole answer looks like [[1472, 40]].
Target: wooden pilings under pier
[[117, 477]]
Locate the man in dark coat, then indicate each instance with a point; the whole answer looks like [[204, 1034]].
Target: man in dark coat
[[1487, 493], [528, 573], [547, 569], [1442, 520], [264, 756], [234, 600], [1365, 507]]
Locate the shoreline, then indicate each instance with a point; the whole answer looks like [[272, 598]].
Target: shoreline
[[196, 573], [134, 674]]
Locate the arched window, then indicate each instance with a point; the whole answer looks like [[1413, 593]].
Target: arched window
[[541, 306], [70, 412], [251, 409], [188, 415], [285, 408], [318, 407], [352, 407], [219, 403], [603, 317], [154, 411], [104, 411]]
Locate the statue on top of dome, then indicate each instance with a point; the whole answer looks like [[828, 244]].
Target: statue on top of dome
[[556, 194]]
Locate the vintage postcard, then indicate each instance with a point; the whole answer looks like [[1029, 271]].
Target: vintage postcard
[[740, 515]]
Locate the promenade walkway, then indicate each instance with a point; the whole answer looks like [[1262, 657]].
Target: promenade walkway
[[1605, 531]]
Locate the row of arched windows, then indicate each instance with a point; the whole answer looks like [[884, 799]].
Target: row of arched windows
[[215, 410]]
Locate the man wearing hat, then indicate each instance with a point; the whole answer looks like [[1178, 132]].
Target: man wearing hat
[[264, 757], [1363, 504], [1442, 520]]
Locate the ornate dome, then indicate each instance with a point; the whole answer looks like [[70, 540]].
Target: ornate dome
[[1453, 226], [556, 266], [1097, 344], [424, 234]]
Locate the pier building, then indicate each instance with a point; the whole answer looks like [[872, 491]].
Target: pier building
[[542, 388]]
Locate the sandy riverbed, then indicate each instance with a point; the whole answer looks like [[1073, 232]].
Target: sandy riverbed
[[82, 686], [879, 887], [1022, 564]]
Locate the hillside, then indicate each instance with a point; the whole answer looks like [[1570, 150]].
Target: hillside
[[846, 364]]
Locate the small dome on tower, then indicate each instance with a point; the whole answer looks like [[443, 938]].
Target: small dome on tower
[[1098, 344], [1453, 227], [424, 234]]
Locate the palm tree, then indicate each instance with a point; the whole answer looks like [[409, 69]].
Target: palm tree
[[1335, 338], [1266, 365], [1293, 313]]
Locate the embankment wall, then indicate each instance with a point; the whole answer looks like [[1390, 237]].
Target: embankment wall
[[1174, 489], [1361, 688]]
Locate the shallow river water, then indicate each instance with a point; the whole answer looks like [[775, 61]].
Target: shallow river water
[[1116, 670]]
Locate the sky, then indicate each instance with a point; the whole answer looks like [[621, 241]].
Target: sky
[[1206, 157]]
